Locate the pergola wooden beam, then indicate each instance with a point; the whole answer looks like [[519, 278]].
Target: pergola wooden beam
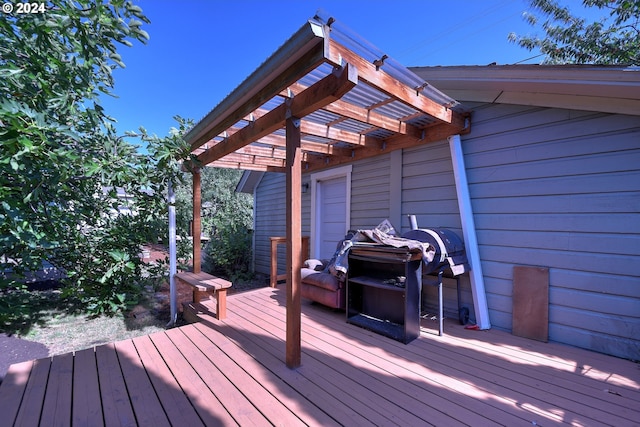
[[331, 133], [372, 118], [245, 166], [255, 160], [365, 115], [268, 152], [272, 154], [307, 146], [432, 134], [321, 93], [378, 78]]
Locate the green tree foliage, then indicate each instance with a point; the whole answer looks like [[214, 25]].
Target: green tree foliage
[[61, 162], [570, 39], [227, 219]]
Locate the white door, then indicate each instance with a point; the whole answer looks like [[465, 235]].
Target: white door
[[330, 209], [331, 214]]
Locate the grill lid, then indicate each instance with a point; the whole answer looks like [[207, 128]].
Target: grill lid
[[449, 249]]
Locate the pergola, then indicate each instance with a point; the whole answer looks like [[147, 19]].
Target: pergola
[[324, 98]]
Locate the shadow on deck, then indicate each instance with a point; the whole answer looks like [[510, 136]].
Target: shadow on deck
[[232, 372]]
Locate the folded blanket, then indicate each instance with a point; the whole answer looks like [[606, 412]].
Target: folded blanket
[[340, 264]]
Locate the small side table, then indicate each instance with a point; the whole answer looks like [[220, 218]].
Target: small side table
[[275, 278]]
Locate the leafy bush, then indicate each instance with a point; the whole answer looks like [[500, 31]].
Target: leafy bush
[[59, 152], [229, 253], [227, 219]]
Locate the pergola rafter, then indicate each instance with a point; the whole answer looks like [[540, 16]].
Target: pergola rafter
[[315, 103], [324, 92]]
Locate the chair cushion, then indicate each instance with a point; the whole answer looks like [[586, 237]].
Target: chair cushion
[[315, 264], [322, 280]]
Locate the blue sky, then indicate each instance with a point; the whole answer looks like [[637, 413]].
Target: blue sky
[[200, 50]]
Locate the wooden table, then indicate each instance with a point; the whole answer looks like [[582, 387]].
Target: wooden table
[[275, 278]]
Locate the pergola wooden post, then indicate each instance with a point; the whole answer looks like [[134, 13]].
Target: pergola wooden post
[[196, 227], [294, 240]]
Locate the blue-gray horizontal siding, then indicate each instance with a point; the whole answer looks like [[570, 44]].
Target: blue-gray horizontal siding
[[429, 193], [549, 187], [269, 220], [370, 192], [561, 189]]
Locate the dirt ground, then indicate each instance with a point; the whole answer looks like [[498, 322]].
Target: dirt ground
[[14, 349]]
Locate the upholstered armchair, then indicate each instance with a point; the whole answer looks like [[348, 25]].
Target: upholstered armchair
[[321, 286], [323, 281]]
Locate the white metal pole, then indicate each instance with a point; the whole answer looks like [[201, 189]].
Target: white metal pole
[[469, 231], [172, 255]]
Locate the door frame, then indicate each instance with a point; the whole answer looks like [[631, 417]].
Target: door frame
[[316, 178]]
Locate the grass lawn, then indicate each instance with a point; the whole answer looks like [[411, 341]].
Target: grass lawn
[[63, 332], [42, 316], [46, 318]]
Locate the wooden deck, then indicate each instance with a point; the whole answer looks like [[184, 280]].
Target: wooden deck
[[232, 372]]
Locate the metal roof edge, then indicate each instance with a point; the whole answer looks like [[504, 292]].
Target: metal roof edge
[[567, 74], [249, 181], [613, 89]]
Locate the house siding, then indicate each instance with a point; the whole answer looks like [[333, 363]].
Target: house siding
[[561, 189], [269, 220], [370, 192], [429, 193], [549, 187]]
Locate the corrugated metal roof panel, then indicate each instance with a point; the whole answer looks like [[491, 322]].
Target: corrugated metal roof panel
[[323, 117], [352, 126], [374, 98]]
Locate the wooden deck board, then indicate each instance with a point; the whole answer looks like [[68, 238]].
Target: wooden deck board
[[116, 405], [210, 409], [612, 406], [270, 352], [31, 408], [175, 403], [528, 382], [274, 410], [534, 383], [12, 392], [359, 391], [87, 410], [265, 372], [328, 400], [56, 408], [538, 392], [232, 372], [417, 395], [223, 389], [146, 406]]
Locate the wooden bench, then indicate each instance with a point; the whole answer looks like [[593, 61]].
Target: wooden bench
[[204, 282]]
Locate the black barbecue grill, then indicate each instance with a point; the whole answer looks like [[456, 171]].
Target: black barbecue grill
[[450, 260], [449, 248]]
